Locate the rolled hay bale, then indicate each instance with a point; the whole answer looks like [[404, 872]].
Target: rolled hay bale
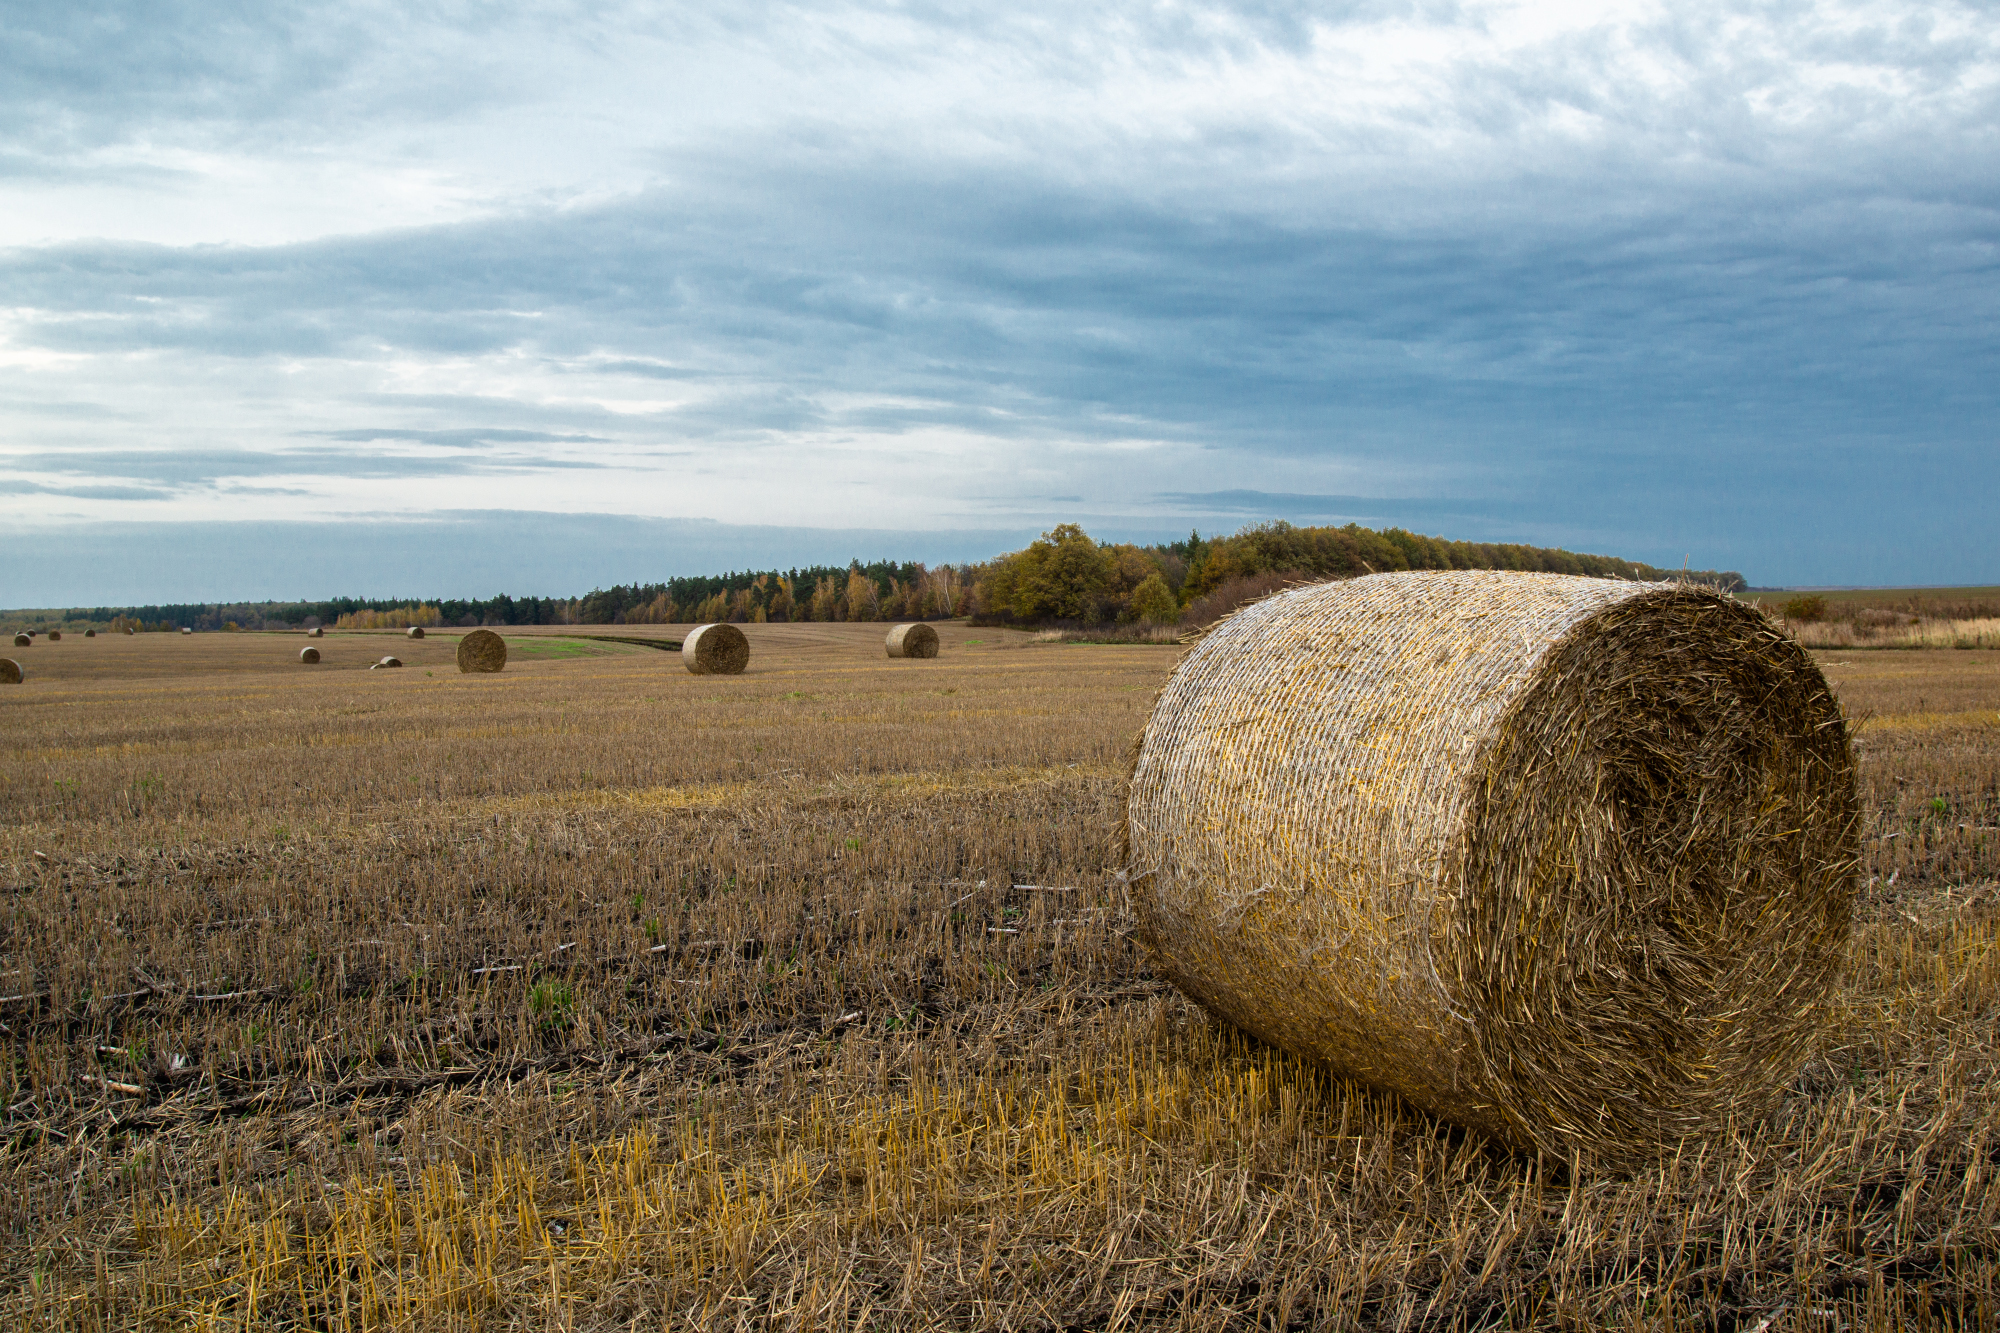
[[90, 634], [716, 650], [482, 651], [130, 630], [10, 672], [314, 633], [23, 641], [1566, 860], [54, 634], [389, 662], [917, 640], [186, 630], [310, 656], [415, 631]]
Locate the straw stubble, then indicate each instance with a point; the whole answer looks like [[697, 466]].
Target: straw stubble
[[1566, 860]]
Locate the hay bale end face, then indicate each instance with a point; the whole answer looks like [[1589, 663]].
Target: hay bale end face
[[54, 634], [1569, 861], [416, 631], [309, 655], [716, 650], [23, 641], [90, 634], [916, 640], [10, 672], [481, 652]]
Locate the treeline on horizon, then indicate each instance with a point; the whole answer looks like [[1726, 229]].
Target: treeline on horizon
[[1064, 577]]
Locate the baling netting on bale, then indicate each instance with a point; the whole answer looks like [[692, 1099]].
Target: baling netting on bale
[[715, 650], [913, 640], [1566, 860], [482, 652]]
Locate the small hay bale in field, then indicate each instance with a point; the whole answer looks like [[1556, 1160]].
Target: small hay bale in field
[[917, 640], [482, 651], [314, 633], [309, 656], [186, 630], [23, 641], [415, 631], [10, 672], [388, 662], [130, 630], [716, 650], [54, 634], [1567, 860], [90, 634]]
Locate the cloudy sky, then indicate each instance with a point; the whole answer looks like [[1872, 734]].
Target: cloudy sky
[[461, 298]]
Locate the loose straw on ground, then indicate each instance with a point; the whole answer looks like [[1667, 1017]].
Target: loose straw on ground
[[482, 652], [1566, 860], [716, 650], [915, 640]]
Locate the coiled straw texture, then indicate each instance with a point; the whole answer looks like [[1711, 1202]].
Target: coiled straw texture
[[913, 640], [715, 650], [482, 652], [1566, 860], [10, 672]]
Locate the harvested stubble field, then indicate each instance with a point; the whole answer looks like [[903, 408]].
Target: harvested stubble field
[[599, 995]]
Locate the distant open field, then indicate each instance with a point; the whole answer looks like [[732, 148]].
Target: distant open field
[[597, 995]]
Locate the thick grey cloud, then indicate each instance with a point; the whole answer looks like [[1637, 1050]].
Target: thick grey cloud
[[1720, 277]]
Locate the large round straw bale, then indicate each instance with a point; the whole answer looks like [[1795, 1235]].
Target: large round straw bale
[[715, 650], [10, 671], [1566, 860], [186, 630], [415, 631], [390, 662], [54, 634], [917, 640], [90, 634], [23, 641], [314, 633], [309, 655], [482, 651], [130, 630]]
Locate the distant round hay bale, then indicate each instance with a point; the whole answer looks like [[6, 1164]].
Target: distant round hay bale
[[415, 631], [309, 655], [314, 633], [390, 662], [1567, 860], [23, 641], [130, 630], [482, 651], [915, 640], [54, 634], [716, 650], [90, 634], [10, 672], [186, 630]]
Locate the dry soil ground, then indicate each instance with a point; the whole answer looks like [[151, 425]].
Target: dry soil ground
[[599, 995]]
